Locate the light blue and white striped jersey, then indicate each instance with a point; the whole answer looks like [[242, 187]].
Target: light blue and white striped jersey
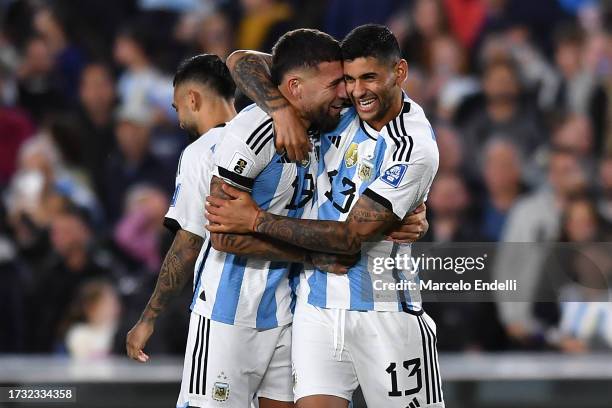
[[246, 291], [395, 167]]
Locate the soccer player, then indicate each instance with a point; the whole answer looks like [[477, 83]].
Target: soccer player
[[377, 166]]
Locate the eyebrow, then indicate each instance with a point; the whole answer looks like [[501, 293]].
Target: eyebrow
[[335, 81]]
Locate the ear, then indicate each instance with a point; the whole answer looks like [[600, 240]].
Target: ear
[[294, 86], [195, 100], [401, 71]]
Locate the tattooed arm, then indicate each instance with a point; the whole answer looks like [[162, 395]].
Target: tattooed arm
[[367, 220], [251, 72], [176, 270], [250, 245]]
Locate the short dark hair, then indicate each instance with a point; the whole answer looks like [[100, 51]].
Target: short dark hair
[[371, 40], [208, 70], [305, 48]]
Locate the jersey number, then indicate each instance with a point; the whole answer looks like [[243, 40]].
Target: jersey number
[[349, 193], [304, 196], [414, 368]]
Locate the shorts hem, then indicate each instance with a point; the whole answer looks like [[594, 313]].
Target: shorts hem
[[323, 391], [276, 397]]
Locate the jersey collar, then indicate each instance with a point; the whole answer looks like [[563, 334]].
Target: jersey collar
[[373, 133]]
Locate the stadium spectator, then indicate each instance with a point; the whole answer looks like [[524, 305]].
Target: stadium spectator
[[138, 232], [73, 261], [579, 91], [215, 35], [96, 121], [501, 173], [93, 320], [132, 163], [38, 89], [449, 202], [535, 218], [501, 111], [53, 28], [141, 86]]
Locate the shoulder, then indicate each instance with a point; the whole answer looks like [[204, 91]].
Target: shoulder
[[411, 135]]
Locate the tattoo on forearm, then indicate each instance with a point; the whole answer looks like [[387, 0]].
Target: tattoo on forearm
[[175, 272], [252, 76], [367, 220], [249, 245]]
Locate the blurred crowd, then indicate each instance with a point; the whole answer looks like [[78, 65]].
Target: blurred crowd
[[519, 93]]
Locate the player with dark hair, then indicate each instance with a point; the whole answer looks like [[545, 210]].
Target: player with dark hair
[[376, 167]]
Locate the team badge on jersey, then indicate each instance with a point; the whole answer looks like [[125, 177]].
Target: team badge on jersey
[[394, 175], [351, 156], [221, 390], [365, 170]]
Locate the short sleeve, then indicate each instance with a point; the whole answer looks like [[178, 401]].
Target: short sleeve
[[402, 185], [242, 154], [186, 209]]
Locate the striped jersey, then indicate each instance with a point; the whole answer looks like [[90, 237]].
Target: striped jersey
[[394, 167], [247, 291]]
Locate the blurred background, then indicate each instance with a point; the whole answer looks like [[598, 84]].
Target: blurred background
[[519, 93]]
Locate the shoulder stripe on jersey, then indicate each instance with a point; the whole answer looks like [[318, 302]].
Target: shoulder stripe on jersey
[[178, 169], [378, 198], [425, 355], [395, 140], [403, 142], [263, 134], [237, 178], [256, 131], [265, 141], [335, 140]]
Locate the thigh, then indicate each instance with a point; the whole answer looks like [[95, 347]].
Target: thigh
[[321, 367], [218, 369], [396, 361], [276, 387]]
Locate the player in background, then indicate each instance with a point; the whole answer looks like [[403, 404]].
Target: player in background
[[378, 165], [204, 101]]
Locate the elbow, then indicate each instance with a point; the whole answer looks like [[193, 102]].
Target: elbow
[[233, 59]]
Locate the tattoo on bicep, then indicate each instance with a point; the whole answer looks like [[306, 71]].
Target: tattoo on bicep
[[215, 188], [174, 273], [252, 77]]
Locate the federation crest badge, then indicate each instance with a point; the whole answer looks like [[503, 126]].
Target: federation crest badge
[[221, 390], [351, 156], [365, 171]]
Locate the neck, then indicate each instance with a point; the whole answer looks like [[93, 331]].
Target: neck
[[217, 112], [392, 112]]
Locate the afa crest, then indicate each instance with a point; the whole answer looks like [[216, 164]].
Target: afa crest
[[365, 171], [221, 389], [351, 156]]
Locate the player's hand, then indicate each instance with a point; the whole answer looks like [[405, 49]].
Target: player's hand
[[137, 339], [290, 135], [333, 263], [236, 215], [414, 226]]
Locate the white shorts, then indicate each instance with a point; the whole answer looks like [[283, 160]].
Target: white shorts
[[392, 355], [228, 366]]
